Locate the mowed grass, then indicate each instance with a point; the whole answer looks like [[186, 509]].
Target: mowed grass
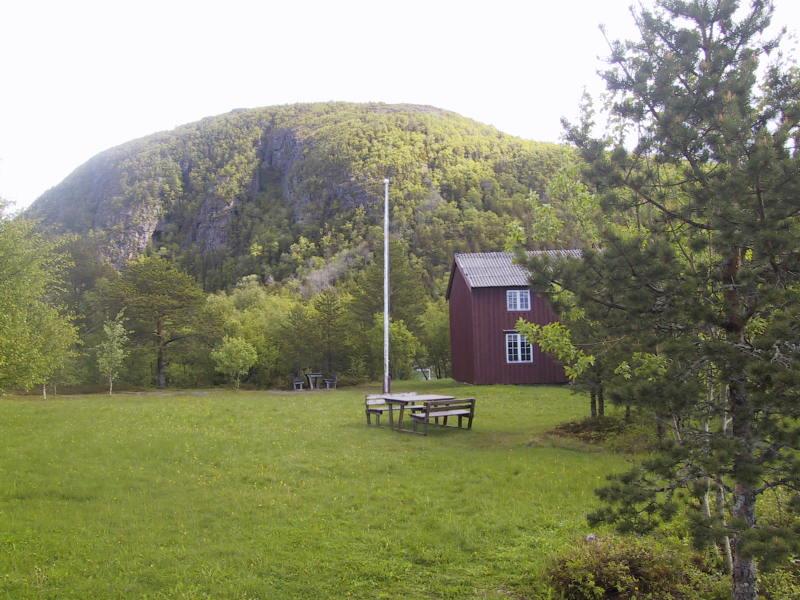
[[214, 494]]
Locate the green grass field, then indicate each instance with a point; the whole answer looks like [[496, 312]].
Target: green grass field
[[214, 494]]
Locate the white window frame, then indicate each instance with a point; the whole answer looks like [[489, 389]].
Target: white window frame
[[514, 300], [516, 343]]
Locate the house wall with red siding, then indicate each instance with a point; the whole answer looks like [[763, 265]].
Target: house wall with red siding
[[490, 322], [461, 332]]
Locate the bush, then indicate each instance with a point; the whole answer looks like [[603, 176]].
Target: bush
[[590, 430], [613, 432], [779, 584], [632, 568]]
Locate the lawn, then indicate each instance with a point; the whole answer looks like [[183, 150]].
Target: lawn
[[216, 494]]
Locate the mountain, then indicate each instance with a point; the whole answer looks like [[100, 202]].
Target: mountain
[[297, 190]]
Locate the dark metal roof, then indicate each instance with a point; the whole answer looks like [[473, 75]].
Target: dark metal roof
[[498, 269]]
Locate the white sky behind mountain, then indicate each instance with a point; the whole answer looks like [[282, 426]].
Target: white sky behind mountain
[[77, 77]]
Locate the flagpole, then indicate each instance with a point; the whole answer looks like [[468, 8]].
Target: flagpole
[[387, 384]]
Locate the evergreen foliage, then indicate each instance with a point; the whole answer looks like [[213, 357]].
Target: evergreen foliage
[[162, 301], [292, 190], [407, 293], [697, 276]]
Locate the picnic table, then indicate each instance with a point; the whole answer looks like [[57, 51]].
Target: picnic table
[[314, 380], [401, 401]]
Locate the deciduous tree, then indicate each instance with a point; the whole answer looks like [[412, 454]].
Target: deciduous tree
[[36, 336], [234, 358], [111, 352]]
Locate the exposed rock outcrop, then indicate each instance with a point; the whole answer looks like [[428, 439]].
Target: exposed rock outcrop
[[266, 176]]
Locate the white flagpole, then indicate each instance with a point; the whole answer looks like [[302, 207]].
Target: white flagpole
[[387, 385]]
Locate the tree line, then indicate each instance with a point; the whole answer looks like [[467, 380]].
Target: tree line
[[70, 319]]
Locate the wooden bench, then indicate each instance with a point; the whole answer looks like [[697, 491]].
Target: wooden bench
[[375, 404], [442, 409], [330, 382]]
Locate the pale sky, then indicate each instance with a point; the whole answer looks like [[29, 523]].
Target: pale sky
[[78, 76]]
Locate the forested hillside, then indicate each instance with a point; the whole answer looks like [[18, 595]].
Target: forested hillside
[[297, 190], [242, 247]]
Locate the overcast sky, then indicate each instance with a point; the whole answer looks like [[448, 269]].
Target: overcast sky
[[77, 77]]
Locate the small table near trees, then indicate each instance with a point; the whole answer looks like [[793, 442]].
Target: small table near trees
[[401, 401], [314, 380]]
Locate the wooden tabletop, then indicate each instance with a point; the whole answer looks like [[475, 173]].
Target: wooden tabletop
[[411, 398]]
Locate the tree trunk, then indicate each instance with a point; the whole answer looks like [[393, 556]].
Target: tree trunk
[[727, 551], [715, 487], [601, 401], [744, 567], [44, 391], [627, 413], [744, 495], [726, 541], [161, 366], [110, 385], [593, 403]]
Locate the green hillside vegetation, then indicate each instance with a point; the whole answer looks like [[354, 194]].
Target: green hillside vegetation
[[297, 190], [260, 229]]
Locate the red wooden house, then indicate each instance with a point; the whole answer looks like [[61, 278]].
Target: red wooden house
[[488, 293]]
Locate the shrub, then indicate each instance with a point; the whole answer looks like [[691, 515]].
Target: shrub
[[779, 584], [613, 432], [631, 568], [234, 358], [590, 430]]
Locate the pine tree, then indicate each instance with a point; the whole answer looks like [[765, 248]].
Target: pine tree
[[161, 301], [700, 267], [329, 330], [407, 294]]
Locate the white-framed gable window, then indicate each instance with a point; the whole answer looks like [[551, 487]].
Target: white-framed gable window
[[517, 300], [518, 348]]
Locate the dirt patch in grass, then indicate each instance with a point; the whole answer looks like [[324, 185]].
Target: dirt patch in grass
[[591, 431], [613, 433], [562, 442]]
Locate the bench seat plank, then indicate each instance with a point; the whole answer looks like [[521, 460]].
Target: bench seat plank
[[386, 408], [442, 409], [442, 413]]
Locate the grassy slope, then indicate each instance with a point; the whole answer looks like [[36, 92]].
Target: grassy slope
[[282, 495]]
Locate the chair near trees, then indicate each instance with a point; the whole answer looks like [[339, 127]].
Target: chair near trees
[[298, 382]]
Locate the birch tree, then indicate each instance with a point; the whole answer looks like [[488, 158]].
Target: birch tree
[[112, 351]]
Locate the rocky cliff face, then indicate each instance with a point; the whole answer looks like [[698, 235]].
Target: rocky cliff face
[[267, 176], [131, 196]]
